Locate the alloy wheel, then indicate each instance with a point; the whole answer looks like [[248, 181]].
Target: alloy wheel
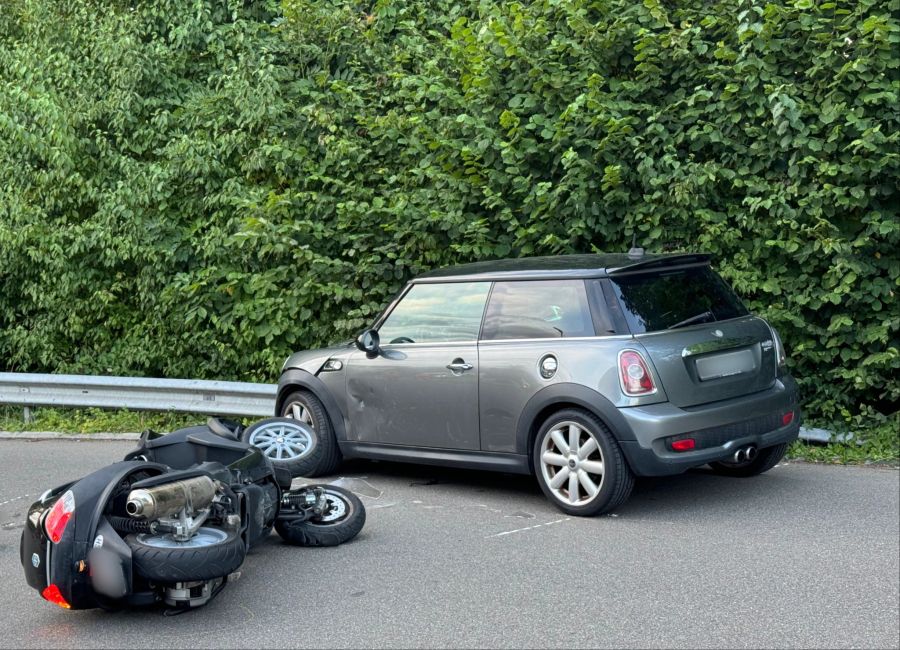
[[300, 411], [572, 464], [284, 440], [204, 536]]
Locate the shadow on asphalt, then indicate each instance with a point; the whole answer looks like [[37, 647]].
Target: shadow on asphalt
[[696, 488]]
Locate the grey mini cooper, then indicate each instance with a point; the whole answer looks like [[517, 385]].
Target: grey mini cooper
[[584, 370]]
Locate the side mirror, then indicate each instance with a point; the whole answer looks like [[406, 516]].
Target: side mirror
[[369, 342]]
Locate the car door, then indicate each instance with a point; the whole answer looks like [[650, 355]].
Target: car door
[[421, 390], [527, 322]]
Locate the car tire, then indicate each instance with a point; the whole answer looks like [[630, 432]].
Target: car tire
[[601, 460], [765, 460], [333, 527], [324, 455], [212, 553]]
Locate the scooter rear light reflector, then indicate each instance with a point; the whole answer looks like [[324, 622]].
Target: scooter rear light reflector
[[685, 444], [53, 594], [58, 517], [787, 418]]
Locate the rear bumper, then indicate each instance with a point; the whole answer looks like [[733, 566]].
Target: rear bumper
[[720, 429]]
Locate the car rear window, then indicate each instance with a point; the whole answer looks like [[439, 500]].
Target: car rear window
[[681, 297]]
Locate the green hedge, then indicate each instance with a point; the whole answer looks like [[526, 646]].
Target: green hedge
[[194, 189]]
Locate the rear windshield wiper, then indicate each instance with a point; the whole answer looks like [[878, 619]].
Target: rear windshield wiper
[[699, 318]]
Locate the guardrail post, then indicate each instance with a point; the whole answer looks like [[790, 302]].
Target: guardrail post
[[27, 415]]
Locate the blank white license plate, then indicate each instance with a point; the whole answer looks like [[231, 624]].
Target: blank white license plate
[[724, 365]]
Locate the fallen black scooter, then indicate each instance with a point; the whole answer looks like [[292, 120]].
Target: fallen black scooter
[[171, 522]]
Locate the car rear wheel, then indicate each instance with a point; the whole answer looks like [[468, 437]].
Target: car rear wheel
[[765, 460], [579, 465]]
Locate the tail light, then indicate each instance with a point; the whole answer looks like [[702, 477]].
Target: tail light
[[634, 374], [780, 354], [58, 517], [53, 594]]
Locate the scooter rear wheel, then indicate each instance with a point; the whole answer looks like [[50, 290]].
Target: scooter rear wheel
[[211, 553]]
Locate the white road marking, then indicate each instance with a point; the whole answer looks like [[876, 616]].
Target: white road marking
[[520, 530], [3, 503]]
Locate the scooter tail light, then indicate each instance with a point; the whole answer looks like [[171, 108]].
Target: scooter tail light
[[53, 594], [635, 374], [59, 516]]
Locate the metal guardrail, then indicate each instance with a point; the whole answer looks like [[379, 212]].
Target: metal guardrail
[[138, 394], [185, 395]]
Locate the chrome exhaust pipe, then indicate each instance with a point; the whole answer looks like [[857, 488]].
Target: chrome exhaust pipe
[[747, 454], [168, 499]]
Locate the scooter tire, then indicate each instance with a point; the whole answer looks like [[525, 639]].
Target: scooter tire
[[324, 531], [175, 563]]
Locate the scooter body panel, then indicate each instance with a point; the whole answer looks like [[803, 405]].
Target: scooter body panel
[[64, 563]]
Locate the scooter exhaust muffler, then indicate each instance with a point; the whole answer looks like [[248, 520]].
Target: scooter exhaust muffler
[[169, 499]]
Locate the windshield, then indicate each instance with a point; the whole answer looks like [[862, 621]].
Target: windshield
[[677, 298]]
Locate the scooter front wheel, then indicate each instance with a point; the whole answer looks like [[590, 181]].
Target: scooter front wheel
[[340, 522]]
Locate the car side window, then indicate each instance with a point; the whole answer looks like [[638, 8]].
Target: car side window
[[538, 309], [437, 313]]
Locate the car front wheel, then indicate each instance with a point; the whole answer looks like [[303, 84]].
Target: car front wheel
[[579, 464]]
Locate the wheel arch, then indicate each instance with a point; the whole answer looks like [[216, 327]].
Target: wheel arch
[[557, 397], [295, 379]]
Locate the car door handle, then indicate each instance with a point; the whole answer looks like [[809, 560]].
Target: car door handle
[[459, 366]]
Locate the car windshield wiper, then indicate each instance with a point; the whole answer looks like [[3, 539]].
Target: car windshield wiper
[[699, 318]]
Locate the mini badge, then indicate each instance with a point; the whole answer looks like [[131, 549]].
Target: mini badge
[[35, 560]]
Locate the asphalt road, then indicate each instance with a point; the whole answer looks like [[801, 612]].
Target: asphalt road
[[804, 556]]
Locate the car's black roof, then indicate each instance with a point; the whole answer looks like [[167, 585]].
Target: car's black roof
[[560, 266]]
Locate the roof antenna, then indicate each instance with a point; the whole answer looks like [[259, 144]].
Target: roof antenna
[[635, 252]]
